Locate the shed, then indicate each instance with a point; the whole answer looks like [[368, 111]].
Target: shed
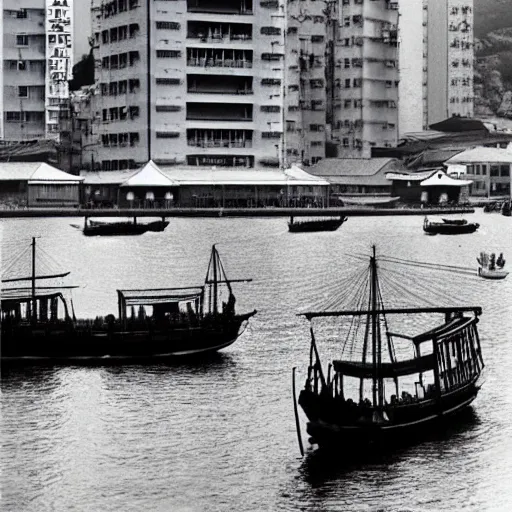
[[37, 184], [351, 179], [489, 168], [434, 187]]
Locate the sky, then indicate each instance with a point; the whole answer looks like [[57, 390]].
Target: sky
[[82, 27]]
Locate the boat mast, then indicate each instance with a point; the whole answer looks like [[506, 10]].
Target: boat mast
[[376, 348], [215, 286]]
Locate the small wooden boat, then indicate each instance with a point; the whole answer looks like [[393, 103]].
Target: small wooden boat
[[491, 268], [371, 398], [308, 226], [122, 228], [38, 325], [449, 227]]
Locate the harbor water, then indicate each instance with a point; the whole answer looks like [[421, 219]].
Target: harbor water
[[219, 434]]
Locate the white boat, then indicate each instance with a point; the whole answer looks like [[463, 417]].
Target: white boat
[[491, 268], [497, 273]]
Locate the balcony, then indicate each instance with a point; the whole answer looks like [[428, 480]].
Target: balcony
[[215, 84], [204, 138], [219, 112], [220, 6], [217, 58], [214, 32]]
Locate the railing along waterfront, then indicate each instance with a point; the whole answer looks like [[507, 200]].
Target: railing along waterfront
[[228, 212]]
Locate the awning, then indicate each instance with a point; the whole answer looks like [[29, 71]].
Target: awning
[[160, 295], [387, 370], [149, 176], [440, 179]]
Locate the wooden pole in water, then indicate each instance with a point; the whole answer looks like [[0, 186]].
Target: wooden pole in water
[[34, 302], [297, 421]]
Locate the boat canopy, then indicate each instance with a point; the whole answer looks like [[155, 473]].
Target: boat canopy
[[447, 329], [386, 370], [159, 296], [19, 295]]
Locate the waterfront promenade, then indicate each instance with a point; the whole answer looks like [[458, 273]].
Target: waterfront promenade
[[228, 212]]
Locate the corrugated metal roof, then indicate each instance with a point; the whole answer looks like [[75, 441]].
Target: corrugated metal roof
[[351, 166], [482, 154], [107, 177]]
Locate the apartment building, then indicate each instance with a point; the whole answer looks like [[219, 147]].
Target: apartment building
[[365, 75], [210, 82], [37, 62], [441, 40]]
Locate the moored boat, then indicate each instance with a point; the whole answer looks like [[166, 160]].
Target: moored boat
[[306, 226], [449, 227], [120, 228], [374, 398], [38, 325]]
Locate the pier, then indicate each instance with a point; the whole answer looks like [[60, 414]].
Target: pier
[[229, 212]]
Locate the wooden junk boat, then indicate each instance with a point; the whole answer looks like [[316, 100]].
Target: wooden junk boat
[[449, 227], [363, 401], [491, 268], [39, 326], [307, 226], [120, 228]]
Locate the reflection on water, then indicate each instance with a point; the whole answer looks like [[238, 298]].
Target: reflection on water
[[219, 434]]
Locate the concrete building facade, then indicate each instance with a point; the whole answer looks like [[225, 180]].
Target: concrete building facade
[[440, 38], [36, 64], [220, 82], [365, 76]]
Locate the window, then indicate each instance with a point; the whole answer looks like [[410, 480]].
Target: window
[[21, 14], [316, 127], [346, 63], [347, 103], [505, 170], [22, 65], [104, 37], [270, 108], [347, 83], [21, 40], [22, 91], [169, 25], [484, 169], [495, 170], [12, 117], [168, 54], [271, 31], [345, 143]]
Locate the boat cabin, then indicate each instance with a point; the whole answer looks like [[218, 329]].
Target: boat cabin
[[22, 306]]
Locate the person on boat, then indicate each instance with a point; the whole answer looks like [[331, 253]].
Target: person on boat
[[492, 262], [500, 262]]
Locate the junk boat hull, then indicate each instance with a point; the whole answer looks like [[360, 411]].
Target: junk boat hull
[[95, 228], [309, 226], [365, 399], [405, 421], [449, 227], [39, 326], [63, 343]]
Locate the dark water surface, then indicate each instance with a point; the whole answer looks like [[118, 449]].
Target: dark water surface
[[219, 435]]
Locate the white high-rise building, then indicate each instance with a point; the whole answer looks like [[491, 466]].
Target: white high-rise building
[[210, 82], [36, 65], [441, 40]]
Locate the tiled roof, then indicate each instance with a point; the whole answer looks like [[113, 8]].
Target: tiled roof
[[356, 171]]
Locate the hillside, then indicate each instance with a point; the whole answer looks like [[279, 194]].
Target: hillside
[[493, 58], [491, 15]]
